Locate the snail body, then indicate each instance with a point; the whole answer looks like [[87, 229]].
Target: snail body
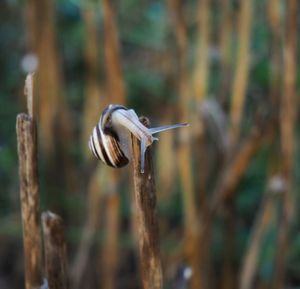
[[110, 140]]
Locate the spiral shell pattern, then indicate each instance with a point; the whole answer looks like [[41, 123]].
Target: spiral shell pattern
[[104, 143]]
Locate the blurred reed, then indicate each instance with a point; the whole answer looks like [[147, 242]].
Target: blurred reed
[[240, 80], [288, 112]]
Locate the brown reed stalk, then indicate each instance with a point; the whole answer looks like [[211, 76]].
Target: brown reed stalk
[[93, 105], [147, 223], [237, 167], [288, 111], [93, 102], [55, 251], [241, 72], [200, 256], [177, 17], [109, 261], [228, 279], [165, 162], [202, 59], [29, 190], [43, 44], [53, 110], [251, 259], [191, 220], [115, 85], [225, 41], [83, 253], [276, 25]]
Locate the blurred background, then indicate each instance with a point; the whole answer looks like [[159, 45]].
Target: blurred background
[[227, 187]]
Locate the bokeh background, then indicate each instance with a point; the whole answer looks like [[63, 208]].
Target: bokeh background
[[227, 187]]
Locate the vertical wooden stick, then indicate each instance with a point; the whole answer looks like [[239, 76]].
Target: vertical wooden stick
[[276, 26], [225, 40], [29, 92], [55, 250], [115, 84], [81, 259], [93, 103], [241, 73], [202, 58], [145, 201], [29, 195], [288, 115], [109, 260], [251, 259], [191, 222]]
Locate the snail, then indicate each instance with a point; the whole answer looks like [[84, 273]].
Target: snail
[[110, 140]]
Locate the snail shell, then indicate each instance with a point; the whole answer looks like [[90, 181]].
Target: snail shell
[[110, 141]]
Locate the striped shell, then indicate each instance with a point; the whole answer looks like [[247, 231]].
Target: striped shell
[[104, 142]]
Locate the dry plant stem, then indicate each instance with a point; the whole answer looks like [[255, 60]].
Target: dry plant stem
[[182, 50], [93, 102], [287, 126], [237, 107], [193, 251], [115, 84], [225, 40], [276, 55], [89, 228], [43, 43], [235, 170], [201, 73], [228, 272], [251, 259], [53, 111], [147, 223], [29, 92], [241, 73], [110, 247], [191, 223], [55, 251], [29, 195], [166, 162]]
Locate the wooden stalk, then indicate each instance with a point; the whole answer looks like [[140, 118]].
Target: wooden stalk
[[109, 260], [225, 40], [251, 259], [147, 223], [201, 73], [241, 73], [234, 171], [115, 84], [191, 218], [29, 192], [89, 228], [276, 25], [54, 114], [93, 103], [55, 251], [228, 272], [166, 163], [182, 53], [287, 129], [43, 43]]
